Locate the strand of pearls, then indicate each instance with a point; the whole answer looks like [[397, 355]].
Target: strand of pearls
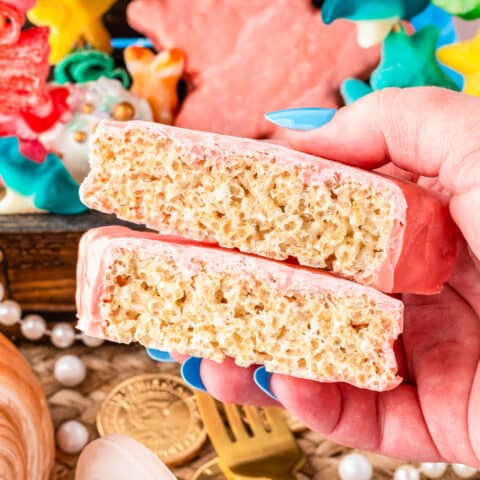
[[34, 327], [69, 370], [356, 466]]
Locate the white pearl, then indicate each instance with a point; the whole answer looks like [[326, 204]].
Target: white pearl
[[72, 436], [63, 335], [70, 371], [91, 341], [33, 327], [10, 312], [355, 466], [463, 471], [2, 291], [433, 470], [406, 472]]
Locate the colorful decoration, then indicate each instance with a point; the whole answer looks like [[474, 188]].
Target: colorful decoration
[[155, 78], [12, 20], [464, 57], [72, 22], [89, 65], [28, 124], [466, 9], [89, 103], [22, 5], [39, 122], [374, 18], [33, 187], [23, 62], [434, 15], [407, 61]]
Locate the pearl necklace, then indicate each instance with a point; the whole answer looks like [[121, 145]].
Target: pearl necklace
[[69, 370], [34, 327]]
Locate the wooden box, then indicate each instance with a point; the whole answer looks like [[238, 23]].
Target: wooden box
[[38, 255]]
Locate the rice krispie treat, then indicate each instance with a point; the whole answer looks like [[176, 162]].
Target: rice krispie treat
[[197, 299], [271, 201]]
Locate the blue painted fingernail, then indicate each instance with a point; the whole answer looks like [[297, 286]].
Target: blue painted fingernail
[[159, 355], [301, 118], [262, 380], [191, 373]]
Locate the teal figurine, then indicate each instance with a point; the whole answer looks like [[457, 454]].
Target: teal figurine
[[407, 61], [371, 9], [48, 183], [374, 18]]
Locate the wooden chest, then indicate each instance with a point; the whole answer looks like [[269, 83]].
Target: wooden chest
[[38, 256]]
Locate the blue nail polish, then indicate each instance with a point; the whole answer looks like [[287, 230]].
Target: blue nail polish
[[301, 118], [190, 372], [262, 380], [159, 355]]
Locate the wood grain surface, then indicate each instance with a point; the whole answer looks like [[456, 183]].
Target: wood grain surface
[[38, 256]]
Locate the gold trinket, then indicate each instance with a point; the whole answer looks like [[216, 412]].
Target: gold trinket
[[159, 411], [80, 136], [88, 108], [123, 111]]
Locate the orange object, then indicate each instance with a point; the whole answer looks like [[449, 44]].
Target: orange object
[[155, 78]]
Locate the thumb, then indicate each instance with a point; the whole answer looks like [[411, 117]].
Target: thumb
[[426, 131]]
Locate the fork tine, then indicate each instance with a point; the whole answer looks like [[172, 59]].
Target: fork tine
[[276, 419], [254, 418], [235, 421], [213, 422]]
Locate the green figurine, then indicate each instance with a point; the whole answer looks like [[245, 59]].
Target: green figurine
[[407, 61], [88, 65], [466, 9]]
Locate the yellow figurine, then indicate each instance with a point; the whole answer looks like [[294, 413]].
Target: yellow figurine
[[71, 22], [155, 78], [464, 57]]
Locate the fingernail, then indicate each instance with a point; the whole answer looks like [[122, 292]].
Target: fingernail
[[160, 355], [301, 118], [190, 372], [262, 380]]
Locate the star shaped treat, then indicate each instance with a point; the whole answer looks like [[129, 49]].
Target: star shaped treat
[[466, 9], [374, 18], [155, 78], [407, 61], [72, 22], [464, 57]]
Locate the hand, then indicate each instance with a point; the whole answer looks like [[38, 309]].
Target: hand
[[434, 415]]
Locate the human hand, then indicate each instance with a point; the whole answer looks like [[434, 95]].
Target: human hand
[[435, 414]]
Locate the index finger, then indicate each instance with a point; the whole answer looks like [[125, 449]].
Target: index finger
[[427, 131]]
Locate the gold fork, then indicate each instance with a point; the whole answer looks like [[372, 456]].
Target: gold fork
[[257, 449]]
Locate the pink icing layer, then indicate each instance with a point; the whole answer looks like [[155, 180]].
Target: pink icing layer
[[100, 246], [421, 250]]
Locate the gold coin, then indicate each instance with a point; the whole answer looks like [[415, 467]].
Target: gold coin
[[209, 471], [159, 411]]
